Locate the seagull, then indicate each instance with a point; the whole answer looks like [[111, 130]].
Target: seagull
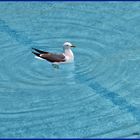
[[66, 57]]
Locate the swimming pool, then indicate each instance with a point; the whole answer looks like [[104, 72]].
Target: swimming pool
[[97, 96]]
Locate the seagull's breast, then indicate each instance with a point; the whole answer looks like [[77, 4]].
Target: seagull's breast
[[69, 57]]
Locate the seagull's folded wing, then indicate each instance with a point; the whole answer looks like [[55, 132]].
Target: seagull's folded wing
[[53, 57]]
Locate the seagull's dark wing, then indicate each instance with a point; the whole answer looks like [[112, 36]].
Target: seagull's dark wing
[[53, 57], [39, 51]]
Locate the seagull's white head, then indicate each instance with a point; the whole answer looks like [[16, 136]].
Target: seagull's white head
[[68, 45]]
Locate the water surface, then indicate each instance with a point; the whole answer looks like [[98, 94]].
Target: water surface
[[96, 96]]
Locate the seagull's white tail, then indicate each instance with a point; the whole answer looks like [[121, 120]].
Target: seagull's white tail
[[39, 58]]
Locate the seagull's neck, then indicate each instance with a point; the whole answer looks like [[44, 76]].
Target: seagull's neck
[[68, 52]]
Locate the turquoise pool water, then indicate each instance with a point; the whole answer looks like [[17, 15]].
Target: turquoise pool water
[[96, 96]]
